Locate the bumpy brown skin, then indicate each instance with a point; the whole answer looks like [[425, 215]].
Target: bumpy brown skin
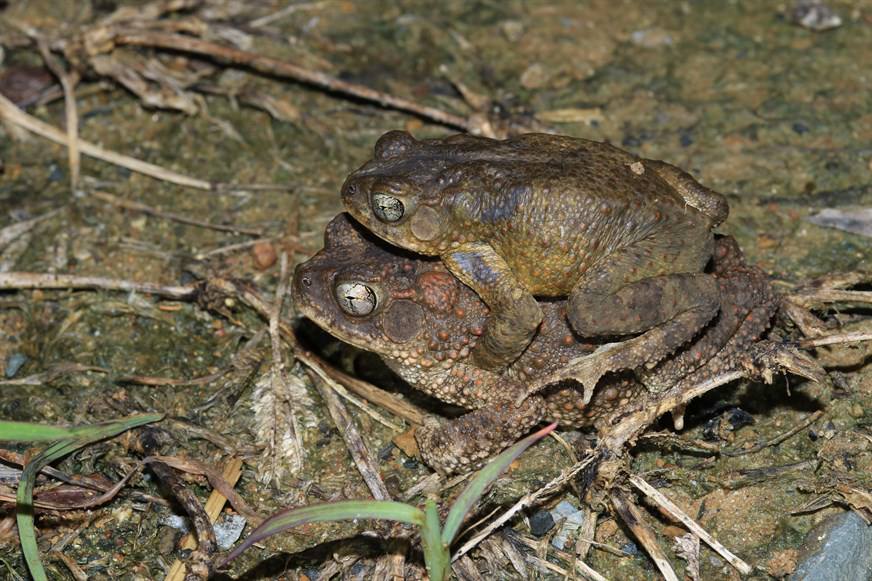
[[748, 304], [541, 215], [426, 323]]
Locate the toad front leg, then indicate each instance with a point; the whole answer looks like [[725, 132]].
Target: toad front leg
[[451, 446], [515, 314]]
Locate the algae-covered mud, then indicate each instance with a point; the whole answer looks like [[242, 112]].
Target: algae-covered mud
[[763, 102]]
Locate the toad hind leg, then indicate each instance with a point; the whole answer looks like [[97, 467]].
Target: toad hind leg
[[668, 310], [515, 314], [466, 442]]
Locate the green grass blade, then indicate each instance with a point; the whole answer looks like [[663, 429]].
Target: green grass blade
[[344, 510], [28, 432], [482, 480], [436, 555], [82, 436]]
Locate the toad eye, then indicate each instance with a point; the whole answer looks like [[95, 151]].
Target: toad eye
[[355, 298], [386, 207]]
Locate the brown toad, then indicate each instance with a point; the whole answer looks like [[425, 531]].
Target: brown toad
[[424, 324], [626, 239]]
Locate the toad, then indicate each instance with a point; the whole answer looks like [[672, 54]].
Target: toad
[[425, 324], [626, 239]]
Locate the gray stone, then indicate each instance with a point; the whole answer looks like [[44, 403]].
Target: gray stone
[[838, 549], [572, 519], [14, 362]]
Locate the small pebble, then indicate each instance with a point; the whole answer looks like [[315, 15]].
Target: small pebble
[[535, 77], [14, 363], [651, 38], [631, 141], [739, 418], [385, 453], [572, 519], [264, 254], [711, 430], [800, 128], [540, 523], [630, 548], [513, 30], [228, 530], [857, 410], [815, 15], [55, 173]]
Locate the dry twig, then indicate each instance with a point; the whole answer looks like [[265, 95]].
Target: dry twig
[[691, 525], [527, 500], [12, 114], [216, 480], [274, 67], [68, 84], [231, 474], [361, 455], [580, 566], [10, 233], [631, 516], [836, 339], [191, 505], [139, 207], [32, 280], [818, 297], [282, 396]]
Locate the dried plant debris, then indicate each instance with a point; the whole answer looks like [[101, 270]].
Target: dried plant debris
[[687, 548], [275, 401]]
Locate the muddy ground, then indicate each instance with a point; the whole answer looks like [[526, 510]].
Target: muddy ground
[[774, 115]]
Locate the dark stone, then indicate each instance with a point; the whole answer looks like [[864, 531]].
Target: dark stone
[[711, 430], [631, 548], [800, 128], [838, 549], [739, 418], [385, 453], [55, 173], [540, 523]]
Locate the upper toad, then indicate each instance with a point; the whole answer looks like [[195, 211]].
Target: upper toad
[[625, 238]]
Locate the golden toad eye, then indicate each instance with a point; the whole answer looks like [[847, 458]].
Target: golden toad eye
[[355, 298], [387, 208]]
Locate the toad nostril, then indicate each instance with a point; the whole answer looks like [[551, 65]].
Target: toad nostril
[[307, 282]]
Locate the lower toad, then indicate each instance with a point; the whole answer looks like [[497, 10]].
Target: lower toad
[[424, 323]]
